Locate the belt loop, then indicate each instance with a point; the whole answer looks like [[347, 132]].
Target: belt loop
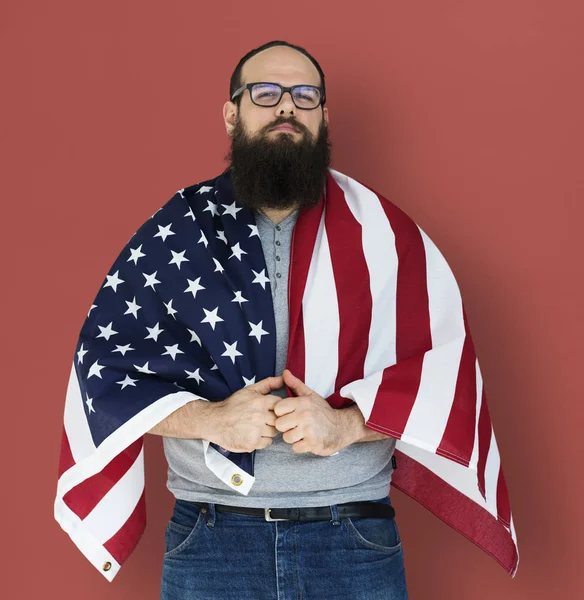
[[334, 514], [211, 514]]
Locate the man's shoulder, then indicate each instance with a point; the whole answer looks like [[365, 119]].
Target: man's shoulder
[[201, 187], [357, 192], [181, 203]]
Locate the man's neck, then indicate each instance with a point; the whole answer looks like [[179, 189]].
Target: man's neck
[[277, 215]]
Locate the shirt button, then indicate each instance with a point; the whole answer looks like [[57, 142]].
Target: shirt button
[[278, 227], [278, 275], [277, 242], [277, 258]]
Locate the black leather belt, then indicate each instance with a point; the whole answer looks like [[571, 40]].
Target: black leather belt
[[310, 513]]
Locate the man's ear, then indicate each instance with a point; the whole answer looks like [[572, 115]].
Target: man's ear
[[229, 117]]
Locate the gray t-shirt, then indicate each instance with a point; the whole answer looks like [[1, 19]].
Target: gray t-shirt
[[361, 471]]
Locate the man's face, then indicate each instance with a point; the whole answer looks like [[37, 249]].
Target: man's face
[[287, 67], [274, 168]]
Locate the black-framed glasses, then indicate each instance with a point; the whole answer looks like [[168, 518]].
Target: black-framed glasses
[[264, 93]]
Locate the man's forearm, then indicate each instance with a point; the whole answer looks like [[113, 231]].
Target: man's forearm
[[190, 421], [356, 429]]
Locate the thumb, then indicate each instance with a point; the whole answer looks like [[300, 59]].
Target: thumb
[[296, 385], [265, 386]]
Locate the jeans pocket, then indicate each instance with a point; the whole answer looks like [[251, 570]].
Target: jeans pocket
[[374, 533], [182, 528]]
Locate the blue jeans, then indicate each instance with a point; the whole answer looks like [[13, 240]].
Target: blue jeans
[[214, 555]]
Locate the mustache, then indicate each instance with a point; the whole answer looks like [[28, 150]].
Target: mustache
[[283, 121]]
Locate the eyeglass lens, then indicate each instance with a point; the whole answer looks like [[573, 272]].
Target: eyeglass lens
[[305, 96]]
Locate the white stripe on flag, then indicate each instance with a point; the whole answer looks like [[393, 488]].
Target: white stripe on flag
[[474, 458], [363, 392], [321, 319], [381, 258], [492, 475], [440, 367], [116, 507]]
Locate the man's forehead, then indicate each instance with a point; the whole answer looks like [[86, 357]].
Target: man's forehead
[[280, 64]]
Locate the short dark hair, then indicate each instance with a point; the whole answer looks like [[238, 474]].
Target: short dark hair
[[235, 82]]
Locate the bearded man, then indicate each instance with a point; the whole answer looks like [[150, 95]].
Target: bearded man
[[294, 326]]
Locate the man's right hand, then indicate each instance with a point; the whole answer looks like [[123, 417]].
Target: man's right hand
[[245, 421]]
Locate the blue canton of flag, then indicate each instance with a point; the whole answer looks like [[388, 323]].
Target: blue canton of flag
[[167, 313]]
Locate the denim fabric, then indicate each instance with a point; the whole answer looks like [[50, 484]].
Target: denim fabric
[[214, 555]]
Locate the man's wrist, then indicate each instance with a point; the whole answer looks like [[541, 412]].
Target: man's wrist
[[355, 428]]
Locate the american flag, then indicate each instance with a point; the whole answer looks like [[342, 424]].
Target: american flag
[[376, 318]]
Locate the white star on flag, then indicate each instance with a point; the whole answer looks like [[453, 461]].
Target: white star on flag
[[190, 213], [230, 209], [261, 278], [203, 189], [123, 349], [113, 281], [151, 280], [239, 298], [89, 403], [133, 308], [203, 239], [237, 251], [212, 208], [221, 236], [218, 266], [194, 337], [169, 310], [181, 192], [194, 286], [154, 332], [127, 381], [81, 354], [231, 351], [164, 232], [194, 375], [249, 381], [257, 331], [106, 332], [95, 369], [136, 253], [144, 369], [92, 307], [254, 230], [212, 317], [173, 351], [178, 258]]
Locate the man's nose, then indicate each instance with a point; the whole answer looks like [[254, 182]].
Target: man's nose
[[286, 104]]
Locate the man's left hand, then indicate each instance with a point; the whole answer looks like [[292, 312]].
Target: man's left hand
[[308, 421]]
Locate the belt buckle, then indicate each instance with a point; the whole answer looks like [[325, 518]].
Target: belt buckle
[[269, 518]]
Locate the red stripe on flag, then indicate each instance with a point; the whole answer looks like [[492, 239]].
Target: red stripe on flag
[[83, 498], [353, 288], [123, 542], [484, 443], [459, 434], [400, 383], [456, 510], [297, 356], [66, 460]]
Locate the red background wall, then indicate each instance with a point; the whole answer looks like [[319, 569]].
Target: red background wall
[[467, 114]]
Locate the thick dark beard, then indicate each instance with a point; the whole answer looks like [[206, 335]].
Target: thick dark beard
[[279, 171]]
